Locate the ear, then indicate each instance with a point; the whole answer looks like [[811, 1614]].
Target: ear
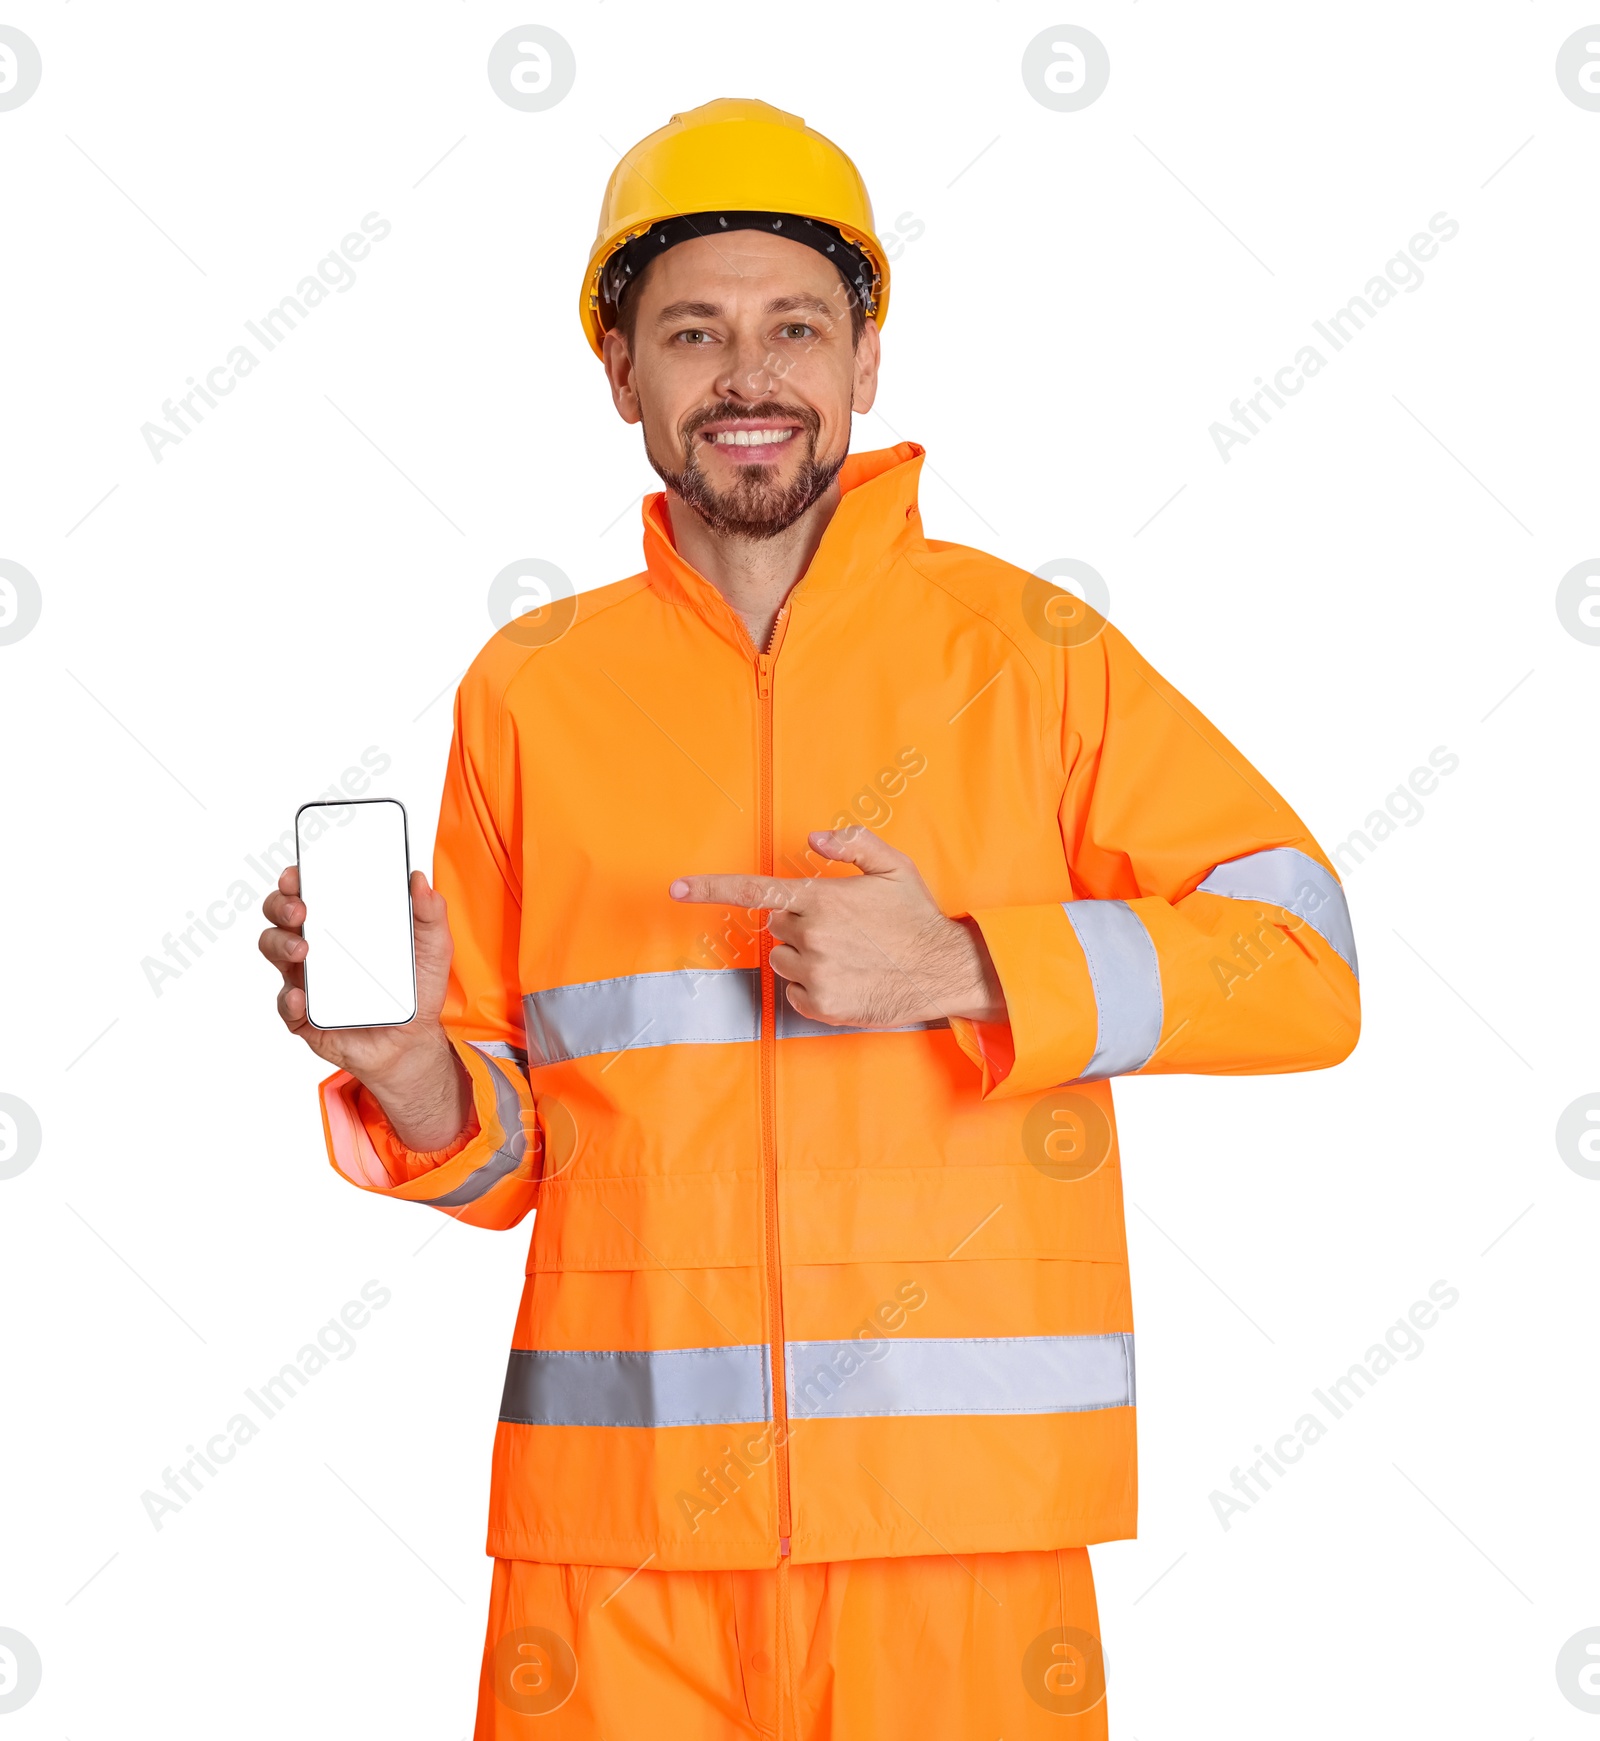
[[620, 374], [869, 353]]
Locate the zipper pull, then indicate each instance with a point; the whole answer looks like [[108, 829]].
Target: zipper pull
[[783, 1545], [763, 676]]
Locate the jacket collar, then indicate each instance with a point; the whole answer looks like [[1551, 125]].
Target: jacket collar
[[876, 517]]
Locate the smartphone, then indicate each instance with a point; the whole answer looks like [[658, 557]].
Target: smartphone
[[355, 880]]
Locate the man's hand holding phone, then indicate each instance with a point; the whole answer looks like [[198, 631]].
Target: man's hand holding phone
[[412, 1069]]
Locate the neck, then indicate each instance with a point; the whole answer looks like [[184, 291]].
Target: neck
[[755, 575]]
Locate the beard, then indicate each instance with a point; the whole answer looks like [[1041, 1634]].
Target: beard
[[756, 506]]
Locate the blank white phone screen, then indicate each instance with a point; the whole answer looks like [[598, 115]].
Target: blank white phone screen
[[356, 884]]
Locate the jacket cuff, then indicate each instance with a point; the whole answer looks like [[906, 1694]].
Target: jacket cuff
[[1049, 1035], [988, 1045], [364, 1149], [400, 1162]]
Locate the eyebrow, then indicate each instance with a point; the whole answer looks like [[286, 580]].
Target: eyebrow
[[792, 304], [688, 311], [710, 310]]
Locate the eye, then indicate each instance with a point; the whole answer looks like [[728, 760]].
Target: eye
[[798, 329], [693, 336]]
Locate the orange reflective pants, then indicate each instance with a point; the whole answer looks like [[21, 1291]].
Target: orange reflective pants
[[909, 1649]]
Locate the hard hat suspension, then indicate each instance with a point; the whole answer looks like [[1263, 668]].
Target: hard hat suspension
[[628, 263]]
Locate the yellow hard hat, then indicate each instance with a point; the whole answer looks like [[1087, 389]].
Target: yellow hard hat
[[735, 156]]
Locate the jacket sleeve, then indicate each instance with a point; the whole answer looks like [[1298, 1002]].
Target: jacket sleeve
[[1208, 931], [489, 1174]]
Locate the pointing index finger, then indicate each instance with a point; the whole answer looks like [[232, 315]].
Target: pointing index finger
[[768, 893]]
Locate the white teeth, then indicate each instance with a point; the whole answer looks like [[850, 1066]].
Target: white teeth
[[750, 437]]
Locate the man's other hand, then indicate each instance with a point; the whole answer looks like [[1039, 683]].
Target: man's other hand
[[869, 951]]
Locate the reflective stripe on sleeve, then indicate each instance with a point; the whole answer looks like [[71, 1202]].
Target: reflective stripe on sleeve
[[499, 1049], [677, 1387], [978, 1375], [1294, 881], [1127, 985], [505, 1160], [686, 1007]]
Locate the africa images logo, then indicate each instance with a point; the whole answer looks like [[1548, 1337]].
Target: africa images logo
[[20, 68]]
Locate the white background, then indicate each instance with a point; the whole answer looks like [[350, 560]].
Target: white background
[[1372, 576]]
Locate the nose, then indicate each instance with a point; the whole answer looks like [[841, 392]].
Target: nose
[[749, 371]]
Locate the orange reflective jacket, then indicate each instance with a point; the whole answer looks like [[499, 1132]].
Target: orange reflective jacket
[[814, 1290]]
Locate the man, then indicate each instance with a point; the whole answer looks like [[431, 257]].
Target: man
[[823, 1376]]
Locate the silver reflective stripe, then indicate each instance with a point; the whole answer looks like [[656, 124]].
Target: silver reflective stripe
[[683, 1008], [678, 1387], [499, 1049], [642, 1009], [1127, 985], [794, 1026], [976, 1375], [504, 1161], [1294, 881]]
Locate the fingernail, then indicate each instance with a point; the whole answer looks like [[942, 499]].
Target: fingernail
[[679, 889]]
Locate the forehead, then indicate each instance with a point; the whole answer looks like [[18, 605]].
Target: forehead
[[741, 268]]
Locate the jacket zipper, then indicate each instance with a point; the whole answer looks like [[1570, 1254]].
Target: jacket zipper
[[765, 662]]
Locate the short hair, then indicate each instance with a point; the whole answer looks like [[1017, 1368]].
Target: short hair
[[628, 309]]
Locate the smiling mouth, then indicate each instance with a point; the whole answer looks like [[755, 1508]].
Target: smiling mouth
[[751, 437]]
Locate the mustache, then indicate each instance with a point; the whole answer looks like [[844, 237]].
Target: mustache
[[729, 412]]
